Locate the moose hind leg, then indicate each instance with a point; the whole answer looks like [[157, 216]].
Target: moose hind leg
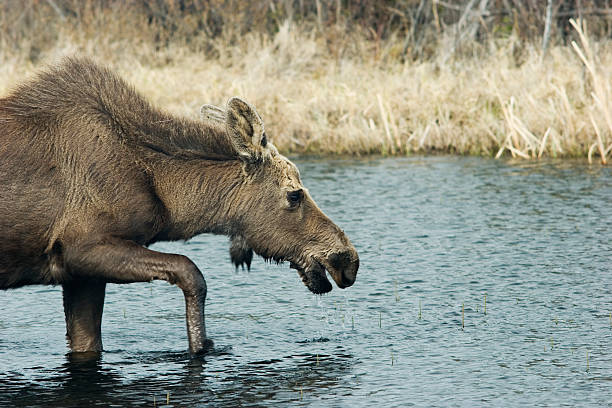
[[83, 306]]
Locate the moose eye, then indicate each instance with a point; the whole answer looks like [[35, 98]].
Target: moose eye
[[294, 197]]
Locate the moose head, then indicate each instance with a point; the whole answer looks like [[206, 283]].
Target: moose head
[[274, 214]]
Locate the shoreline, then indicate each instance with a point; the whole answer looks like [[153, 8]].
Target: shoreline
[[499, 102]]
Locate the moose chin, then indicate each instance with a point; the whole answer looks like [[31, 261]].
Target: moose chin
[[91, 174]]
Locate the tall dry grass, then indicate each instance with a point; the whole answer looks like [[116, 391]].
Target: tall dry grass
[[502, 98]]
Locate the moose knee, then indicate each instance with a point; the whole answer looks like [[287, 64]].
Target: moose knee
[[190, 279]]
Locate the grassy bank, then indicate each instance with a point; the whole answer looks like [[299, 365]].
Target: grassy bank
[[502, 97]]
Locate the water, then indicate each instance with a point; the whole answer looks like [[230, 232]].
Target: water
[[434, 235]]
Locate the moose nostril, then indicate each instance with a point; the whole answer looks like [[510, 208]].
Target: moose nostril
[[344, 266], [340, 260]]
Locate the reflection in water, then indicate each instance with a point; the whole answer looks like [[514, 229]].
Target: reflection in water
[[87, 380], [84, 379], [81, 381]]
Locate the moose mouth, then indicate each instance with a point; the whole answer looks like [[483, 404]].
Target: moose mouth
[[314, 277]]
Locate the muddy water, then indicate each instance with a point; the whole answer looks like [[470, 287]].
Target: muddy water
[[435, 235]]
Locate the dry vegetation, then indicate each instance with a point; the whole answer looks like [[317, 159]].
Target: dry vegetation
[[351, 77]]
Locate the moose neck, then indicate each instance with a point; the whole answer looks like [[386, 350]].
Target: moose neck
[[199, 195]]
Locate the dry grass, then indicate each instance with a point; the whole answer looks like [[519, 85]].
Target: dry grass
[[506, 99], [601, 92]]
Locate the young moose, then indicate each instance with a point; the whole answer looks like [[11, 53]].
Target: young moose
[[91, 174]]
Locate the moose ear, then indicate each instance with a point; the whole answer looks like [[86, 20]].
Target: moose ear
[[212, 113], [246, 130]]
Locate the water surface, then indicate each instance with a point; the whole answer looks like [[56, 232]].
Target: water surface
[[435, 235]]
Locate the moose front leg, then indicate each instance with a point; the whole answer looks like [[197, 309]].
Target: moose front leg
[[83, 305], [120, 261]]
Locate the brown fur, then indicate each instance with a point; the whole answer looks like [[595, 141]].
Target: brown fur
[[91, 173]]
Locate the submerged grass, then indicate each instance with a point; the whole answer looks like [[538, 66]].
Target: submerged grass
[[485, 303], [506, 98], [587, 360]]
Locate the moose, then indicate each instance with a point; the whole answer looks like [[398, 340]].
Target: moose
[[91, 174]]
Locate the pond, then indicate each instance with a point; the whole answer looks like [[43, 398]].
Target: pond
[[482, 282]]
